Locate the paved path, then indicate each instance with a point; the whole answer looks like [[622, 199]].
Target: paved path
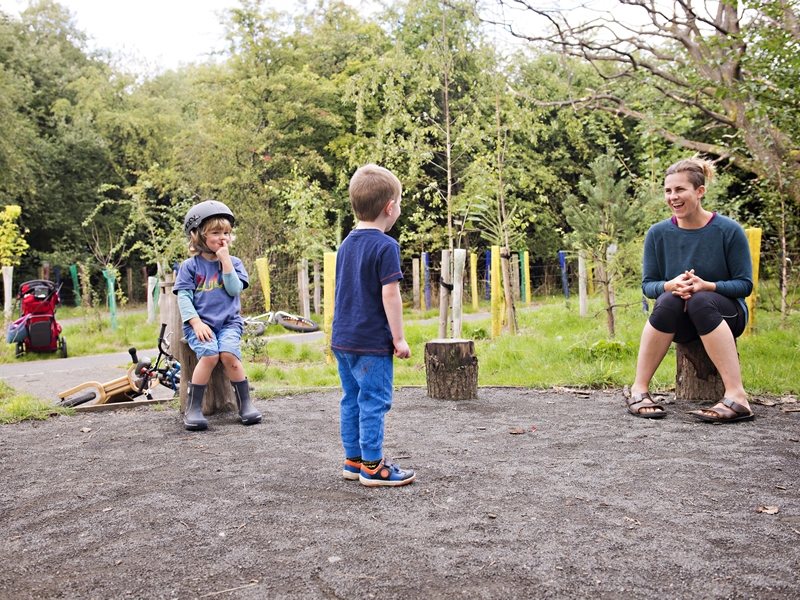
[[47, 377]]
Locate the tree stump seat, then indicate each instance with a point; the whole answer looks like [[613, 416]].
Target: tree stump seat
[[451, 369], [219, 396], [696, 377]]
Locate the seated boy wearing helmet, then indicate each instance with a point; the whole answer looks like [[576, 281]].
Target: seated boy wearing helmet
[[208, 287]]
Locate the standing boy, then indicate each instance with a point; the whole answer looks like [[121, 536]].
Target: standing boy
[[368, 326]]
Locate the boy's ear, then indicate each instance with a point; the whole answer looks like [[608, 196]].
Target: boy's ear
[[388, 208]]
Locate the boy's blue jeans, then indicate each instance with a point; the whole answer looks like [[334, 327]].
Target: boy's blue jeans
[[367, 385]]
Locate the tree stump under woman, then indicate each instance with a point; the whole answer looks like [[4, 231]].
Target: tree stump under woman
[[451, 369], [697, 378], [219, 396]]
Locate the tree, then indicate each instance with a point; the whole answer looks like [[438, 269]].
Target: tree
[[423, 108], [722, 76], [12, 239], [695, 57], [609, 217]]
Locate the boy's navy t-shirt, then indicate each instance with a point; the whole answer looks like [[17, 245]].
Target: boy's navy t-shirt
[[215, 307], [367, 260]]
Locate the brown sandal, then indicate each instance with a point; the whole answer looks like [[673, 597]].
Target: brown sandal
[[639, 401], [729, 412]]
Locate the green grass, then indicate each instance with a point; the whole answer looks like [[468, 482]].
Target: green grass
[[93, 334], [21, 407], [555, 347]]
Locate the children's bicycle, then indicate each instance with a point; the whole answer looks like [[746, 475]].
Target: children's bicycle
[[142, 376], [254, 326]]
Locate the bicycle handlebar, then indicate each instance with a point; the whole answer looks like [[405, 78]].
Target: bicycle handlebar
[[134, 357]]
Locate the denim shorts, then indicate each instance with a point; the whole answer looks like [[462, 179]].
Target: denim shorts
[[227, 340]]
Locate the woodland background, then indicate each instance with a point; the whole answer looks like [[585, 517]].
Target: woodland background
[[552, 136]]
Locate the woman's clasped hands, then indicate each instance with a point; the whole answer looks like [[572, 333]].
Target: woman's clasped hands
[[687, 283]]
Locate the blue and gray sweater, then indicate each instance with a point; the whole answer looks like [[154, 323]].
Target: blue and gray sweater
[[718, 252]]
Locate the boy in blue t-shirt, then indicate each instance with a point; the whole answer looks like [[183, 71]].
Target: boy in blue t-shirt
[[208, 287], [368, 326]]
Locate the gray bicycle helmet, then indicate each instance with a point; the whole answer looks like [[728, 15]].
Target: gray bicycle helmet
[[205, 210]]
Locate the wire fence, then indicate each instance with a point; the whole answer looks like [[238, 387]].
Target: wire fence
[[545, 280], [284, 274]]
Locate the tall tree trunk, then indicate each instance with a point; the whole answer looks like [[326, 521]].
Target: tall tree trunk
[[505, 253], [602, 275]]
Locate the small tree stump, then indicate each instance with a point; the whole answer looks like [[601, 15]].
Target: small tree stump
[[697, 378], [219, 396], [451, 368]]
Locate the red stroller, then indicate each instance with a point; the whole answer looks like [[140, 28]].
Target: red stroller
[[37, 329]]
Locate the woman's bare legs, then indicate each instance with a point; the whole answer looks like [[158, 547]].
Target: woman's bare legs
[[652, 350], [720, 346]]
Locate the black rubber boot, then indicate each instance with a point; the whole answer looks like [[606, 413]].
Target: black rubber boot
[[193, 418], [247, 411]]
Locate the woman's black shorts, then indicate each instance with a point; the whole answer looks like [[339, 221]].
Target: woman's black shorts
[[699, 315]]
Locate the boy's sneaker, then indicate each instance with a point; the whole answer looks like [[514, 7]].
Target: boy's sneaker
[[386, 473], [352, 469]]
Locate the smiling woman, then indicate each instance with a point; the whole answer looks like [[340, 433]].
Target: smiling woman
[[697, 266]]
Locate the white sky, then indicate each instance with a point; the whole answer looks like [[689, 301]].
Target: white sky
[[165, 33], [153, 35]]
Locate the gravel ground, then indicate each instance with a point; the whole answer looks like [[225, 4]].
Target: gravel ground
[[519, 494]]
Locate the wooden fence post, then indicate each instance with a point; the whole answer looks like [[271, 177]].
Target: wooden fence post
[[129, 274]]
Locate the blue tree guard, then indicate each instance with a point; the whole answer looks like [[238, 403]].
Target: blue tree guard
[[488, 278], [562, 261], [426, 278]]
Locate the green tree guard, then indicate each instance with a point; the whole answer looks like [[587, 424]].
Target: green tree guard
[[111, 276], [76, 286]]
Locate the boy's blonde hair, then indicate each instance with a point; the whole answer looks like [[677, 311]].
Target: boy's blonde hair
[[371, 188], [699, 170], [197, 238]]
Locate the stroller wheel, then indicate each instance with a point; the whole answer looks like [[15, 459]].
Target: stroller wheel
[[20, 350], [63, 347]]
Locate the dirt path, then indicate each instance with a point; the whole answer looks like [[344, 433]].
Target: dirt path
[[587, 502]]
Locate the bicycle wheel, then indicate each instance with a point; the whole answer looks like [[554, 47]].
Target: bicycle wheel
[[81, 399], [296, 323], [254, 328]]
